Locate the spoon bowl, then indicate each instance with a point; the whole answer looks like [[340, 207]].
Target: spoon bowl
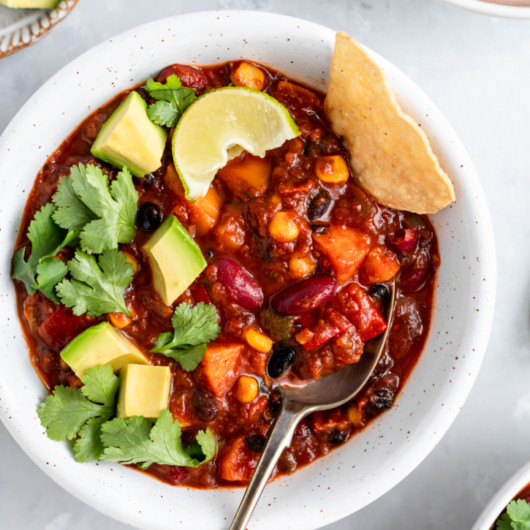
[[297, 402]]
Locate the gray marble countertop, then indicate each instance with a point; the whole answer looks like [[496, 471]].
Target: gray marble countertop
[[477, 70]]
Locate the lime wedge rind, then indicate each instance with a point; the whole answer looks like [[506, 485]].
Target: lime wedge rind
[[219, 125]]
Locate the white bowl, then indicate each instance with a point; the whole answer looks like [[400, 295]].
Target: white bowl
[[494, 9], [379, 457], [499, 501]]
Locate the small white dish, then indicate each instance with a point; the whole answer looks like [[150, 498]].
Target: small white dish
[[499, 501], [505, 9], [392, 446], [22, 27]]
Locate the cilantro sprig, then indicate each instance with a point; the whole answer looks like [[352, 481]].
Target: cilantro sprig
[[84, 416], [96, 287], [193, 328], [78, 413], [516, 517], [41, 271], [103, 214], [172, 100], [136, 441]]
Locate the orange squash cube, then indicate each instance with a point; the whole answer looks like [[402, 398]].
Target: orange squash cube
[[206, 211], [247, 175], [380, 265], [345, 248], [219, 366], [248, 75]]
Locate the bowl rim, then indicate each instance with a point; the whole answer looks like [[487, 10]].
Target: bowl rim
[[488, 8], [424, 440], [504, 495]]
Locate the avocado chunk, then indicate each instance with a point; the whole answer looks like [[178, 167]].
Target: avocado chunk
[[40, 4], [129, 138], [100, 344], [176, 260], [144, 390]]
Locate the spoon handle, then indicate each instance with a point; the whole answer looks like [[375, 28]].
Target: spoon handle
[[279, 438]]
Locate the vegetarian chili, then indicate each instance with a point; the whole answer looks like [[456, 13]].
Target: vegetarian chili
[[299, 262]]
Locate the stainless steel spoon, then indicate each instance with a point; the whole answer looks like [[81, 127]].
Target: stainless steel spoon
[[297, 402]]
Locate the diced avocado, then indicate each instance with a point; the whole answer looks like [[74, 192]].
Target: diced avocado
[[129, 138], [40, 4], [144, 390], [176, 260], [101, 344]]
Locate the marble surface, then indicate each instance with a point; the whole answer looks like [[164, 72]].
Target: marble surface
[[475, 68]]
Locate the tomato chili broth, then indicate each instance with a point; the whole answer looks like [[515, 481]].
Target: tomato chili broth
[[240, 233]]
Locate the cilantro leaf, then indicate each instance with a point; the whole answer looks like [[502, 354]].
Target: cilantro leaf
[[172, 100], [516, 517], [103, 214], [136, 441], [193, 328], [50, 272], [46, 238], [72, 412], [96, 287]]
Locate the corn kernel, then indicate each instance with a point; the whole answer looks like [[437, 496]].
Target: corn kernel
[[248, 75], [258, 341], [132, 260], [300, 267], [247, 389], [355, 415], [283, 228], [332, 169]]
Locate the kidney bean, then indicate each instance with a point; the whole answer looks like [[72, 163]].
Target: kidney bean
[[243, 289], [413, 278], [204, 405], [305, 296], [189, 76], [280, 360], [404, 240]]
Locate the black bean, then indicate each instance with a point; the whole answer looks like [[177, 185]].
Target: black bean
[[256, 442], [148, 180], [149, 217], [280, 360], [379, 291], [335, 436], [382, 399], [319, 228], [319, 205], [204, 404]]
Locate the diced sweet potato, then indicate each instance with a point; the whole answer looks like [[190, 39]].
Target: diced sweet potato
[[206, 211], [247, 175], [345, 248], [172, 179], [246, 74], [237, 461], [380, 265], [219, 366]]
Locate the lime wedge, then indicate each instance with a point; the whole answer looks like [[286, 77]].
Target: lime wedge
[[220, 125]]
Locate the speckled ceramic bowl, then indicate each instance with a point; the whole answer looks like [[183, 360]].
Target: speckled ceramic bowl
[[22, 27], [379, 457], [498, 503], [496, 8]]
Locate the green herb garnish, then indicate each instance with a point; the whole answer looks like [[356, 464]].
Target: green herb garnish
[[84, 415], [41, 272], [96, 287], [193, 328], [103, 214], [173, 99], [516, 516], [78, 413], [136, 441]]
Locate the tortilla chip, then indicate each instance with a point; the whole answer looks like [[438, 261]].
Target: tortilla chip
[[390, 154]]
